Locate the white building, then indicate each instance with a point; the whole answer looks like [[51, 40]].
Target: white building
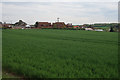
[[27, 26], [98, 30], [89, 29]]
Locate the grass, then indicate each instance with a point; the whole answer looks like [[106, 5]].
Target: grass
[[0, 53], [103, 27], [8, 75], [60, 53]]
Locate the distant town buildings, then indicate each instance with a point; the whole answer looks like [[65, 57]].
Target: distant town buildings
[[7, 25], [61, 25], [0, 24], [44, 25]]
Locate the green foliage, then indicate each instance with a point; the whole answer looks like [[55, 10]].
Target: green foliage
[[111, 29], [56, 53], [36, 24]]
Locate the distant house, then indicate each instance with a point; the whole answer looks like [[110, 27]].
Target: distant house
[[83, 26], [19, 25], [59, 25], [76, 27], [27, 27], [6, 25], [98, 30], [90, 26], [69, 25], [44, 25], [89, 29], [1, 25]]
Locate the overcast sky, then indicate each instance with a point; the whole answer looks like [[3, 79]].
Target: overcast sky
[[69, 12]]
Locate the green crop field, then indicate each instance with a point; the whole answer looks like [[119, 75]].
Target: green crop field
[[52, 53]]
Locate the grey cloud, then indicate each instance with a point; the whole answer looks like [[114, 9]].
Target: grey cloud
[[77, 13]]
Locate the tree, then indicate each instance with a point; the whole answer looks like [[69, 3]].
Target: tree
[[36, 24], [20, 23], [111, 29]]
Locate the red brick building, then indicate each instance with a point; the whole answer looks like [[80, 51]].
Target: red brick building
[[44, 25], [76, 27], [59, 25], [9, 26]]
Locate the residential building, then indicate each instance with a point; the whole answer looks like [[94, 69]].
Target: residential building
[[44, 25], [89, 29], [59, 25]]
